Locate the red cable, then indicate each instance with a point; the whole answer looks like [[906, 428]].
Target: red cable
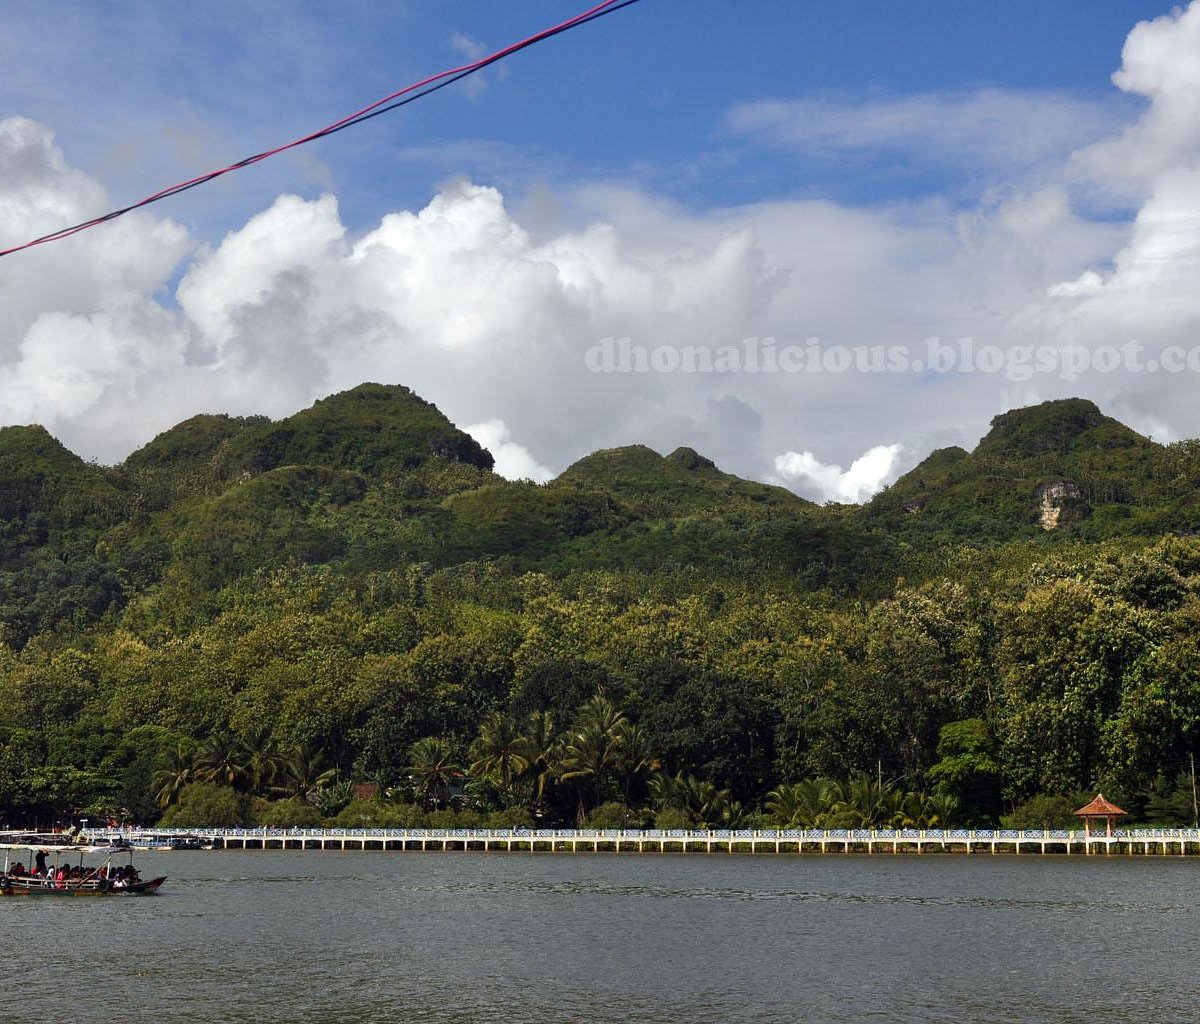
[[208, 176]]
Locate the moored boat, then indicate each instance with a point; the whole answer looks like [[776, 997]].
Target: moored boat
[[65, 878]]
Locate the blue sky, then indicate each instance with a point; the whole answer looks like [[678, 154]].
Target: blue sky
[[139, 91], [871, 173]]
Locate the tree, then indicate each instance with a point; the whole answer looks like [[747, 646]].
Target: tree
[[967, 772], [220, 761], [544, 749], [593, 745], [500, 753], [259, 759], [175, 775], [434, 768], [303, 772], [206, 803], [803, 804], [635, 757]]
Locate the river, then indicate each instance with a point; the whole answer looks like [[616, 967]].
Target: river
[[469, 937]]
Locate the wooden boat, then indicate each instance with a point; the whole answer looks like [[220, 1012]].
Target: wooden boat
[[93, 881]]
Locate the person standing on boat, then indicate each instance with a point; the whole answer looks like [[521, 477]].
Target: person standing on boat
[[39, 863]]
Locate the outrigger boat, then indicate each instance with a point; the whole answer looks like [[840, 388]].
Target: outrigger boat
[[94, 881]]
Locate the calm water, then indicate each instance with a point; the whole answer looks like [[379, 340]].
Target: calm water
[[282, 937]]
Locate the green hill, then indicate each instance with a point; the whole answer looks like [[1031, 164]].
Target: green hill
[[381, 430], [652, 484], [1060, 465], [247, 604]]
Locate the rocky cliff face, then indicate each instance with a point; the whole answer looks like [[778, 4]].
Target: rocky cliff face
[[1054, 500]]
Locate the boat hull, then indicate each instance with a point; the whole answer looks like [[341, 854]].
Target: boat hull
[[39, 889]]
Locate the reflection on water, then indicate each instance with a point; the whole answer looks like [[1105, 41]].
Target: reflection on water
[[615, 938]]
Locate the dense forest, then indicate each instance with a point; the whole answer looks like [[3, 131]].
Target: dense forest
[[346, 616]]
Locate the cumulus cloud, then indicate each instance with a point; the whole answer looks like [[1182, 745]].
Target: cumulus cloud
[[1160, 62], [867, 475], [513, 461], [491, 316]]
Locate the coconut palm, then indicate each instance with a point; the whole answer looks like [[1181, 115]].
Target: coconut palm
[[544, 748], [635, 756], [220, 761], [704, 804], [433, 768], [864, 802], [260, 760], [303, 772], [500, 753], [803, 804], [176, 773], [592, 747]]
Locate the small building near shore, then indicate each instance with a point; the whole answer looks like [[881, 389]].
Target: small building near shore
[[1097, 809]]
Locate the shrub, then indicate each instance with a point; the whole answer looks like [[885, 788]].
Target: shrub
[[291, 813], [206, 803]]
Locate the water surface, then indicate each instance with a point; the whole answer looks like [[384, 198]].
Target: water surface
[[468, 937]]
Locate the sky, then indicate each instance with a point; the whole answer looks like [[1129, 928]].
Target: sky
[[812, 241]]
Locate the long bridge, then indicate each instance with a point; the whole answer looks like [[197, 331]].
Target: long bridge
[[1132, 841]]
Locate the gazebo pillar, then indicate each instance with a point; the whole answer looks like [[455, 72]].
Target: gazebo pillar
[[1099, 808]]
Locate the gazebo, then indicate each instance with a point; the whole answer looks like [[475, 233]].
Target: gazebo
[[1099, 808]]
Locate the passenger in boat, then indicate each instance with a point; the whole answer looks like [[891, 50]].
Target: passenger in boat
[[39, 863], [17, 870]]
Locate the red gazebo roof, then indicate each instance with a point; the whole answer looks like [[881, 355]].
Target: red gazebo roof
[[1099, 808]]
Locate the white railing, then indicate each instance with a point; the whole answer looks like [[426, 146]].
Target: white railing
[[930, 835]]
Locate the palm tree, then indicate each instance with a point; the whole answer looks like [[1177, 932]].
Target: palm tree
[[593, 744], [701, 800], [176, 773], [434, 768], [500, 753], [260, 760], [635, 755], [303, 772], [803, 804], [864, 802], [220, 761], [544, 749]]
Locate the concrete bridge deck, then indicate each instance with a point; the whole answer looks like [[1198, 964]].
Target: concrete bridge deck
[[1144, 842]]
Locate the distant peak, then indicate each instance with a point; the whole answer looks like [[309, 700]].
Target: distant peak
[[690, 459], [1056, 426]]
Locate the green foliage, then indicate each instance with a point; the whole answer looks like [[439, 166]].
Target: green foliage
[[260, 609], [1045, 810], [968, 772], [382, 430], [290, 813], [612, 814], [206, 803]]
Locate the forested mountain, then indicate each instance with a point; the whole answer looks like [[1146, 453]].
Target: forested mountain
[[246, 618]]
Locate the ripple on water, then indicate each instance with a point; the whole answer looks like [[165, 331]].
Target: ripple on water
[[618, 938]]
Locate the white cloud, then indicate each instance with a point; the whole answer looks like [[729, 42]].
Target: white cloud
[[998, 130], [1160, 62], [867, 475], [486, 315], [513, 462], [472, 50]]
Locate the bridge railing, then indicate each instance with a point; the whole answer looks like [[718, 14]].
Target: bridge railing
[[908, 835]]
